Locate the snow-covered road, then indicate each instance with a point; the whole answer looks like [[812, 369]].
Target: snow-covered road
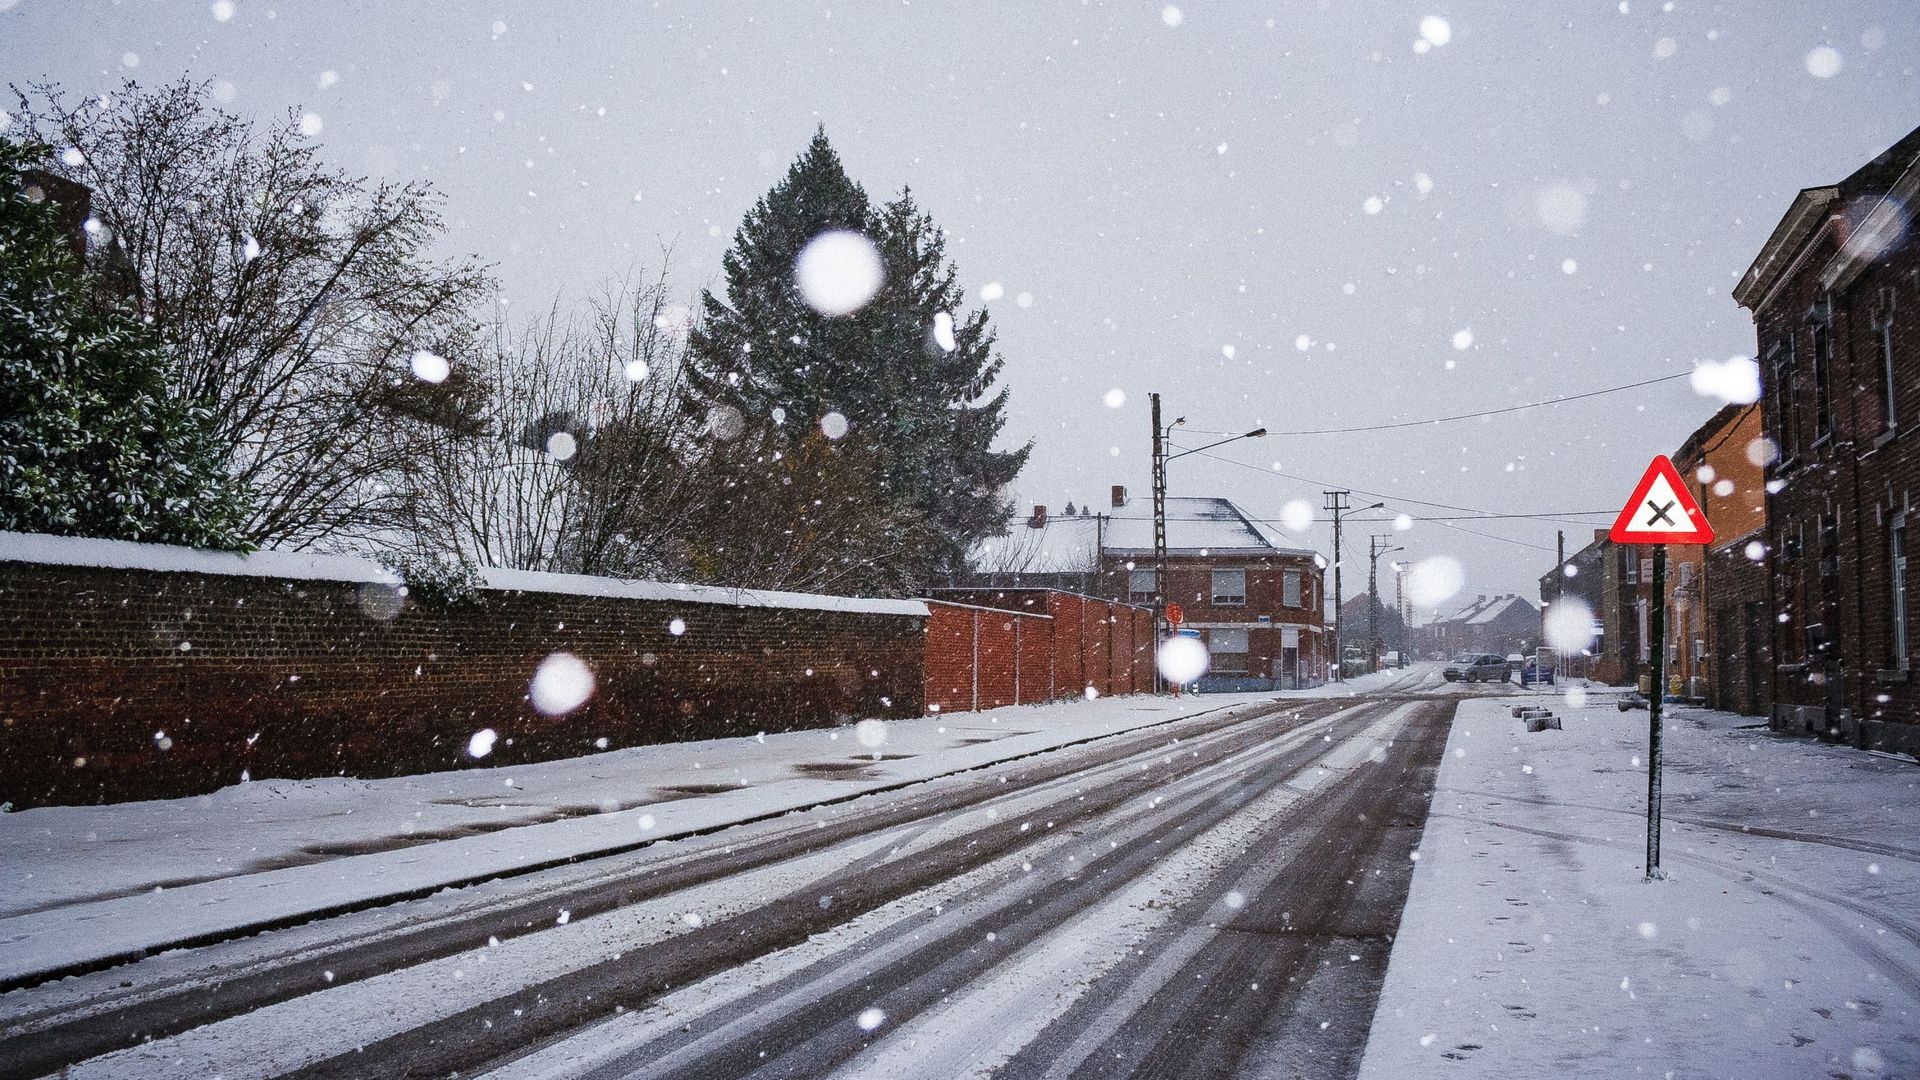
[[1206, 873]]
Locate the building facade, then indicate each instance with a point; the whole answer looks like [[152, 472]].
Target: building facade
[[1835, 299], [1580, 580], [1718, 637], [1257, 602], [1503, 625]]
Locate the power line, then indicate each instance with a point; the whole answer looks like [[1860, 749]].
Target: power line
[[1391, 499], [1556, 515], [1464, 416], [1361, 491]]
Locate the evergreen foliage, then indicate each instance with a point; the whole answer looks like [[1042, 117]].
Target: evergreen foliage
[[914, 482], [91, 443]]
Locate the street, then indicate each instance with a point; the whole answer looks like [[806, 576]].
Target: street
[[1211, 896]]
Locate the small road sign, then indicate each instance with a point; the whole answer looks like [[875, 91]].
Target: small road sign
[[1662, 511], [1174, 614]]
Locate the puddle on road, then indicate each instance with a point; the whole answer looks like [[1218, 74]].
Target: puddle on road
[[833, 770]]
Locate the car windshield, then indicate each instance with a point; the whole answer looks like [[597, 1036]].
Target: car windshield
[[1468, 658]]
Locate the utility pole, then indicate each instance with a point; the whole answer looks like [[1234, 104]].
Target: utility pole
[[1159, 529], [1400, 606], [1337, 502], [1559, 587], [1377, 545]]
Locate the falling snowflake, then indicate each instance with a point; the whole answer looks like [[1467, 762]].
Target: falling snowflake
[[561, 684], [838, 272]]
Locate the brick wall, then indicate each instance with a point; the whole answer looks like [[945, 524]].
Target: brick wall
[[1098, 643], [1739, 627], [122, 683], [983, 658]]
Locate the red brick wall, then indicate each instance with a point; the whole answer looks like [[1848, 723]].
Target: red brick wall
[[978, 657], [275, 677], [1093, 642]]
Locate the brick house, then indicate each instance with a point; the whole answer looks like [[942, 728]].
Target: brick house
[[1581, 579], [1257, 602], [1717, 632], [1504, 625], [1835, 298]]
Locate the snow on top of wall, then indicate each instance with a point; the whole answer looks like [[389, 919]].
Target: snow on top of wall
[[168, 558], [584, 585], [306, 566]]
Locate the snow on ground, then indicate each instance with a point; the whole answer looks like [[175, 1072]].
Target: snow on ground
[[91, 883], [1786, 942]]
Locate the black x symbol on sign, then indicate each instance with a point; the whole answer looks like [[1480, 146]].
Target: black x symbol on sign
[[1660, 514]]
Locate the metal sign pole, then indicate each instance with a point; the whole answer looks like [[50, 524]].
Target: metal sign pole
[[1658, 622]]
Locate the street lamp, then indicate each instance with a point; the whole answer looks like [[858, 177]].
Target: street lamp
[[1161, 443]]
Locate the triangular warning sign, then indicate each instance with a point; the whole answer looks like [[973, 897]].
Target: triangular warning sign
[[1661, 511]]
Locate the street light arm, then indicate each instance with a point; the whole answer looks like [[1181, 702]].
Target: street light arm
[[1254, 434]]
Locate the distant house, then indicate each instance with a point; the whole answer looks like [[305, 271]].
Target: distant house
[[1837, 324], [1581, 580], [1504, 624], [1258, 601], [1363, 619]]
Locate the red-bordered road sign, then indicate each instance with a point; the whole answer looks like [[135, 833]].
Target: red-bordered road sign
[[1174, 614], [1662, 511]]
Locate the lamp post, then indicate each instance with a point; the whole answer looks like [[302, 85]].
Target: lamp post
[[1337, 502], [1161, 444], [1374, 551]]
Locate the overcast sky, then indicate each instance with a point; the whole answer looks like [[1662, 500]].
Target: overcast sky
[[1171, 199]]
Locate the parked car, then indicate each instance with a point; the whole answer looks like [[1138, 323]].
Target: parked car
[[1476, 667]]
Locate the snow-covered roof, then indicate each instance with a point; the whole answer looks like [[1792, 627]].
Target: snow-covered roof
[[305, 566], [1487, 609], [1207, 524], [1062, 545]]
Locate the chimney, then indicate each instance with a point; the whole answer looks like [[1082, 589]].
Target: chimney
[[1119, 496], [1039, 518]]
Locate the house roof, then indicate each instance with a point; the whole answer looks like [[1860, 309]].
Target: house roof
[[1195, 526], [1200, 526], [1486, 609], [1062, 545], [1859, 200]]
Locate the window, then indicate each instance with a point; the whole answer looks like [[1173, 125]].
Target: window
[[1140, 585], [1629, 566], [1898, 543], [1787, 430], [1229, 588], [1888, 384], [1290, 590], [1822, 366], [1229, 651], [1640, 608]]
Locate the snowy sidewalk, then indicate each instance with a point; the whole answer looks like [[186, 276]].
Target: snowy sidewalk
[[90, 884], [1785, 944]]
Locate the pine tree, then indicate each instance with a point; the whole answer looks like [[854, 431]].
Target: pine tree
[[91, 444], [947, 411], [910, 373], [762, 348]]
